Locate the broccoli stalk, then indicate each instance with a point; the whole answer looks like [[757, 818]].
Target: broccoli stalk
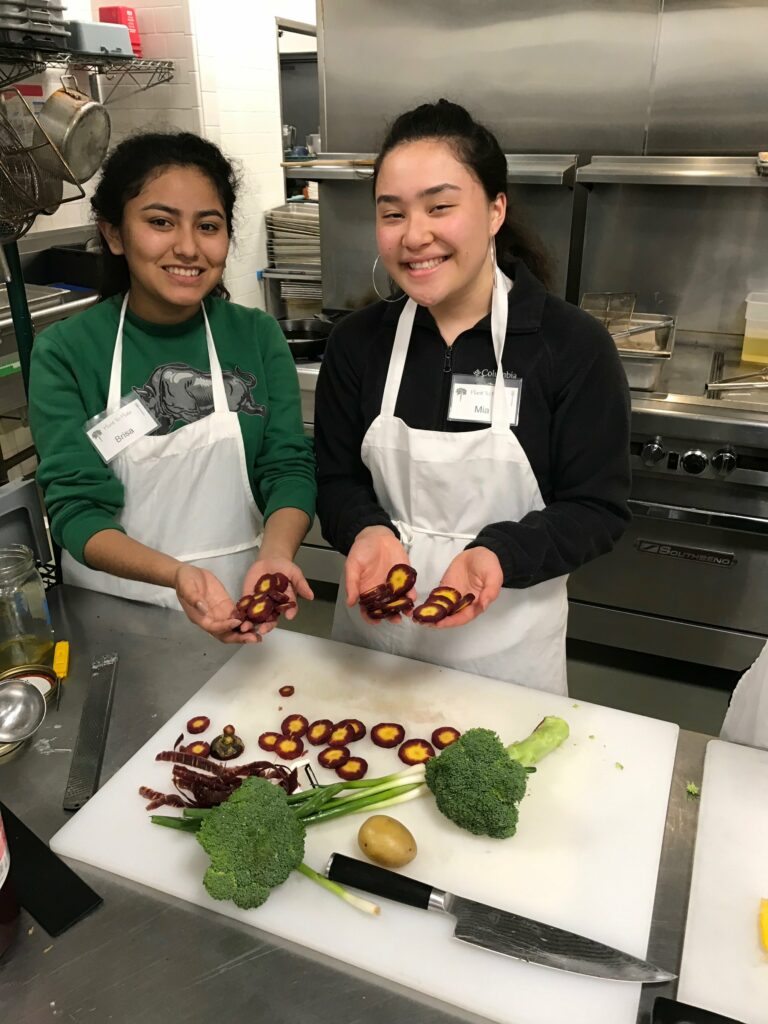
[[478, 782], [254, 840]]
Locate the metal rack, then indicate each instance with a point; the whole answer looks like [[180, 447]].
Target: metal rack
[[18, 63], [735, 171]]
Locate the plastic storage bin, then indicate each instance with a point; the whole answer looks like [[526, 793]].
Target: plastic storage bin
[[755, 348]]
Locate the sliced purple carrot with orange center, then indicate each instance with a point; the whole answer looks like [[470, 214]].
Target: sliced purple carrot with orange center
[[354, 768], [416, 751], [429, 613], [445, 736], [294, 725], [333, 757], [357, 727], [341, 734], [465, 602], [401, 578], [387, 734], [198, 724], [319, 731], [289, 747], [268, 740]]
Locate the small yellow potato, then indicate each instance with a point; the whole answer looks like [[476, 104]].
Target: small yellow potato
[[386, 841]]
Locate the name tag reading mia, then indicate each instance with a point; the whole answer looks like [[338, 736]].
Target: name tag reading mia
[[471, 398], [112, 433]]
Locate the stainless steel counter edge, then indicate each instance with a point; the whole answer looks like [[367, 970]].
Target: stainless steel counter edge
[[143, 956]]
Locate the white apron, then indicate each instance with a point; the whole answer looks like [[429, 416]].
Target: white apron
[[746, 720], [187, 494], [440, 489]]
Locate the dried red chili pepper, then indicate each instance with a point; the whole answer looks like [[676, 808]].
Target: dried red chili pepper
[[198, 724], [286, 691], [387, 734], [444, 736], [416, 751], [401, 578], [319, 731], [333, 757], [289, 747], [354, 768]]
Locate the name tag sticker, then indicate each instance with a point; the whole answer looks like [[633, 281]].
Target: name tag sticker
[[112, 433], [471, 398]]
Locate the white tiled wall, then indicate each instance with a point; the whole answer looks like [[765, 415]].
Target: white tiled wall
[[239, 78]]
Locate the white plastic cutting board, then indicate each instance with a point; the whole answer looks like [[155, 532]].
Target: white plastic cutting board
[[723, 967], [585, 857]]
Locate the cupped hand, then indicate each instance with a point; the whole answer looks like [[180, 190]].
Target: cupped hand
[[206, 602], [375, 550], [297, 587], [476, 571]]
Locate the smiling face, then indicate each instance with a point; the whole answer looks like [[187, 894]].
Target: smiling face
[[434, 223], [174, 238]]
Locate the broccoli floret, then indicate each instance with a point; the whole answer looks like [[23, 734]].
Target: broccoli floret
[[254, 841], [478, 782]]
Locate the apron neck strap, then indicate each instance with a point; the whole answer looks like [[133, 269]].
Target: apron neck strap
[[499, 310], [220, 403]]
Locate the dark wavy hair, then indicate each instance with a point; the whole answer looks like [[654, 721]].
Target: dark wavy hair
[[130, 165], [478, 149]]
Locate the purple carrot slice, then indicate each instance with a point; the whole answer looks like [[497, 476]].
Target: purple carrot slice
[[401, 578]]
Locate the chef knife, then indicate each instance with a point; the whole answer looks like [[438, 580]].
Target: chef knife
[[499, 930]]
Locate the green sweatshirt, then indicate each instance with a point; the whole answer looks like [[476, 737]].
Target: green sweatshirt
[[69, 381]]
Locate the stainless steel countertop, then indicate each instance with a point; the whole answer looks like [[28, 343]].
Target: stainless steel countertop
[[143, 957]]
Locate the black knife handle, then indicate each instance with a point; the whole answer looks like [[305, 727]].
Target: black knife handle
[[378, 881]]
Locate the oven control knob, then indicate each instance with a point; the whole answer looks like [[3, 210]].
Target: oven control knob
[[694, 461], [724, 461], [653, 452]]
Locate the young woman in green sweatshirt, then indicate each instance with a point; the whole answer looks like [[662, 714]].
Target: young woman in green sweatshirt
[[167, 419]]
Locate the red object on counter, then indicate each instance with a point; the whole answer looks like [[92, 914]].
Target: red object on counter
[[9, 908], [123, 16]]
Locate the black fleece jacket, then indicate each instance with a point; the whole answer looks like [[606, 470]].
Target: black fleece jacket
[[574, 423]]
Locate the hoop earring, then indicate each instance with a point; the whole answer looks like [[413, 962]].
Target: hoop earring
[[492, 248], [373, 280]]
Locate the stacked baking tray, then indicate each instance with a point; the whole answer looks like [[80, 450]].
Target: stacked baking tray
[[33, 24], [293, 249], [293, 238]]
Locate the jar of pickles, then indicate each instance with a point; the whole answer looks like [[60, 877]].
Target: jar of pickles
[[26, 634]]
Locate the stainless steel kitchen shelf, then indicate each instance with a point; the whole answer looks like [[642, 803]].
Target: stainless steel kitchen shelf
[[292, 275], [739, 171], [522, 169], [17, 63], [541, 168]]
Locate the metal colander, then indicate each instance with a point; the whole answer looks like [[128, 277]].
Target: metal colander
[[32, 171]]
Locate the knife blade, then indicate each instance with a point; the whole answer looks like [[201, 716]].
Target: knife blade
[[499, 930]]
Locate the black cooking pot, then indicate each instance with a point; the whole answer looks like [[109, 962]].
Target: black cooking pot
[[306, 338]]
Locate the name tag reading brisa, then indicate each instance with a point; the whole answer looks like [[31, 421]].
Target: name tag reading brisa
[[471, 398], [112, 433]]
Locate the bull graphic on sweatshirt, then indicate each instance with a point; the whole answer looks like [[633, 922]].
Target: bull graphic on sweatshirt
[[177, 391]]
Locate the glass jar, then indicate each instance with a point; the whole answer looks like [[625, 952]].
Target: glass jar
[[9, 908], [26, 634]]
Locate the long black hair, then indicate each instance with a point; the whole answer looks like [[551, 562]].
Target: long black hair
[[127, 169], [478, 149]]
